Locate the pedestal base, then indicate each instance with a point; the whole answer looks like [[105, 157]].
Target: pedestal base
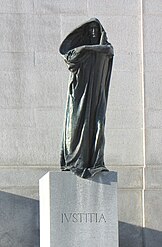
[[77, 212]]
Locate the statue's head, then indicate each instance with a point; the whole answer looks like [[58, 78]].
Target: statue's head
[[94, 33], [89, 33]]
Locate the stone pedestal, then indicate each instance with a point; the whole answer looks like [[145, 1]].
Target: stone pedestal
[[77, 212]]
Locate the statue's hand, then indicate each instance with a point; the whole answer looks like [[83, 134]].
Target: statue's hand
[[103, 40]]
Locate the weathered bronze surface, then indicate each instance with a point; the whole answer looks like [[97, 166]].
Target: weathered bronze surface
[[89, 57]]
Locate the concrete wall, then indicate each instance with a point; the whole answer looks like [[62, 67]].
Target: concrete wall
[[33, 86]]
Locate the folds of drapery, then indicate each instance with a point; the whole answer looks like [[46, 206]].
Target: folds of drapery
[[90, 71]]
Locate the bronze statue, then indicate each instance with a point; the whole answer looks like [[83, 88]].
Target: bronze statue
[[89, 57]]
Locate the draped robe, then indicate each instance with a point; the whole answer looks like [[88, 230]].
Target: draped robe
[[90, 71]]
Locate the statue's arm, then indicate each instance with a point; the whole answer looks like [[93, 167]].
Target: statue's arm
[[107, 49], [78, 54]]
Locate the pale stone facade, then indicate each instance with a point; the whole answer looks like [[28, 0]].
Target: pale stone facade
[[32, 102]]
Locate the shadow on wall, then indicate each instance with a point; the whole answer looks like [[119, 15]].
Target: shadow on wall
[[19, 221], [19, 226], [130, 235], [136, 236]]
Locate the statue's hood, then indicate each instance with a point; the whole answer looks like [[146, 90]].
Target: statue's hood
[[79, 37]]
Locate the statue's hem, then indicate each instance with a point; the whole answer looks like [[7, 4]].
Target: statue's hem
[[85, 172]]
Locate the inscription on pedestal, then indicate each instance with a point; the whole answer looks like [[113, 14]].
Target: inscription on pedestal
[[83, 218]]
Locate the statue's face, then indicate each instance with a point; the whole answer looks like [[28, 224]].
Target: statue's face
[[94, 30]]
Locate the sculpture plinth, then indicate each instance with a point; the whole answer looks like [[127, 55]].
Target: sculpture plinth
[[75, 212]]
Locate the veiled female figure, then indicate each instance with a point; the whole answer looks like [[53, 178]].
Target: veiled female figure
[[89, 57]]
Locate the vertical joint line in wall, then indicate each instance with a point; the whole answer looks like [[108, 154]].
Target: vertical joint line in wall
[[61, 21], [143, 110], [34, 58], [33, 6], [87, 6]]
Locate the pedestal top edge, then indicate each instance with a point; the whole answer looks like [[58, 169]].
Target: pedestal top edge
[[104, 176]]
